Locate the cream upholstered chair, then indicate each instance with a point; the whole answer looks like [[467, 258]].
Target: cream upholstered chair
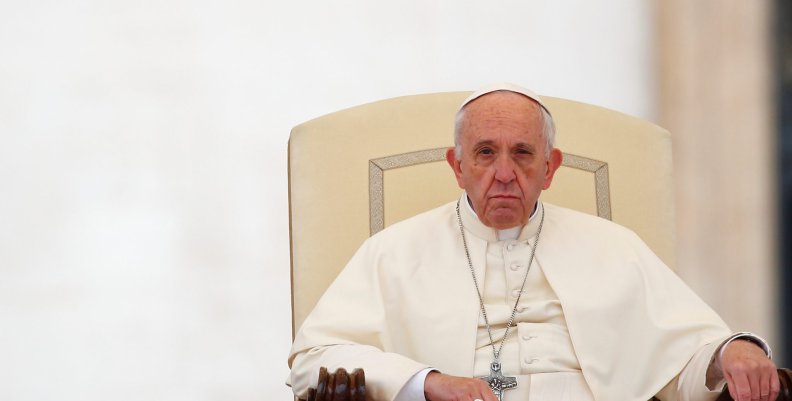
[[355, 171]]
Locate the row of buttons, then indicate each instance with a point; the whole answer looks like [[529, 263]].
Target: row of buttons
[[514, 267]]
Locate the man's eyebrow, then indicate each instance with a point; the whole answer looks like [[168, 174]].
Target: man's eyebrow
[[526, 146], [519, 145], [484, 142]]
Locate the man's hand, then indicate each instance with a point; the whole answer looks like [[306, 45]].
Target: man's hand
[[749, 374], [442, 387]]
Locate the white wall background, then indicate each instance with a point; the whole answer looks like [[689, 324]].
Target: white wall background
[[143, 208]]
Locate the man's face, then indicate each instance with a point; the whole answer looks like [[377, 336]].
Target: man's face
[[503, 166]]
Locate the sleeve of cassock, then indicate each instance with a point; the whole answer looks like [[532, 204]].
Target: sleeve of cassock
[[697, 382], [349, 328], [690, 384]]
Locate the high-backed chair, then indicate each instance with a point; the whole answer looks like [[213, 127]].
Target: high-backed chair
[[356, 171]]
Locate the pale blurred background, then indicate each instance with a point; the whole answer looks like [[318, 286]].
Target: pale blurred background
[[143, 199]]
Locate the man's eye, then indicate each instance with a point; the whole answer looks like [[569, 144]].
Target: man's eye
[[485, 151]]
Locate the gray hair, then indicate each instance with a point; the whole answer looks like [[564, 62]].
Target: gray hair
[[548, 131]]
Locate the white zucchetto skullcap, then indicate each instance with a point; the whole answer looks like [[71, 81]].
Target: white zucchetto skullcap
[[504, 86]]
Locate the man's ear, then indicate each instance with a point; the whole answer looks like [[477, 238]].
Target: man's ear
[[456, 165], [553, 163]]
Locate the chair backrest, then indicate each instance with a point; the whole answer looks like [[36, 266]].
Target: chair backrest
[[357, 170]]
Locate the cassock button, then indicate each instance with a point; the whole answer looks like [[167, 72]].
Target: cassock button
[[521, 309], [516, 293], [530, 360], [516, 266], [526, 337], [510, 247]]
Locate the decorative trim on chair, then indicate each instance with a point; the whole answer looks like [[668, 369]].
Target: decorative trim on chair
[[377, 169], [601, 180], [378, 166]]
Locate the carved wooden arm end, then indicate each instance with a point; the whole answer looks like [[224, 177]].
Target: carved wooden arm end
[[339, 386]]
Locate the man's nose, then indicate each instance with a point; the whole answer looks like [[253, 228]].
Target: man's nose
[[504, 169]]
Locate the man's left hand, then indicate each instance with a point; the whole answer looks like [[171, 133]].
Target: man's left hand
[[749, 373]]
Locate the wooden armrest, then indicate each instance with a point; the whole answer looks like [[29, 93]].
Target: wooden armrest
[[784, 376], [339, 386], [342, 386]]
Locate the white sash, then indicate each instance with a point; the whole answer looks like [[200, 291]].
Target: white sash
[[558, 386]]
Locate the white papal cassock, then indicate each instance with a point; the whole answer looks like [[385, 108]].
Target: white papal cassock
[[601, 316]]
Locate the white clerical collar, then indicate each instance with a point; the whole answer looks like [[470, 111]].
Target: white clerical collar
[[471, 222]]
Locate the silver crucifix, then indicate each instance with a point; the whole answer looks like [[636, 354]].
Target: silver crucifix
[[497, 381]]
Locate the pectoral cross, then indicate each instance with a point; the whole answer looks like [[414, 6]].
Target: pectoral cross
[[497, 381]]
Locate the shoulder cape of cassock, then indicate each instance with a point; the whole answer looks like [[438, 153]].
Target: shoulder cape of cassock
[[407, 295]]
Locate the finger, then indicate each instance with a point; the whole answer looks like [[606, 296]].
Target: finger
[[742, 387], [754, 380], [487, 394], [731, 387], [764, 385], [775, 385]]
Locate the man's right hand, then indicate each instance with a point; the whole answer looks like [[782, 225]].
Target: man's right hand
[[442, 387]]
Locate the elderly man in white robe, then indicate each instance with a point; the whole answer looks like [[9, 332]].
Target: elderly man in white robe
[[498, 296]]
